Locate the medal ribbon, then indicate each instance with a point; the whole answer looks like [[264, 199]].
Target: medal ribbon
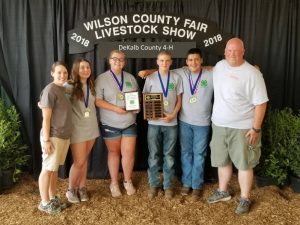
[[86, 99], [120, 85], [165, 91], [194, 87]]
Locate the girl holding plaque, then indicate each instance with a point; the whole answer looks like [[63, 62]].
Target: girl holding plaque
[[85, 130], [118, 126]]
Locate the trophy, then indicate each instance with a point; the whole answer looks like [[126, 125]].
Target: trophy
[[153, 106]]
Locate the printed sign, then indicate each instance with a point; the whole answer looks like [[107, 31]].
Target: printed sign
[[127, 26]]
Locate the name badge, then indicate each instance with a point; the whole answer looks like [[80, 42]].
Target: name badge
[[166, 103]]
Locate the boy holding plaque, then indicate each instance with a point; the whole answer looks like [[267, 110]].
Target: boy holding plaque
[[162, 132], [194, 120]]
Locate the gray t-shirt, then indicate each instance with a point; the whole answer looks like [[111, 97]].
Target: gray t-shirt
[[85, 127], [107, 89], [153, 85], [53, 96], [196, 109]]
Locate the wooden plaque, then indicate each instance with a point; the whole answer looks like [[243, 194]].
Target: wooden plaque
[[153, 106]]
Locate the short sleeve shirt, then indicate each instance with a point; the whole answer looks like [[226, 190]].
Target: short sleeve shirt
[[237, 90], [85, 127], [107, 89], [54, 97], [153, 85], [197, 106]]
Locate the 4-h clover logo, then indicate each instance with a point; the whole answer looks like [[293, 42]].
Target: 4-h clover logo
[[171, 86], [203, 83]]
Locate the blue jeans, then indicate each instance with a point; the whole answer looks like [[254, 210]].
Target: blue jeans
[[193, 143], [161, 141]]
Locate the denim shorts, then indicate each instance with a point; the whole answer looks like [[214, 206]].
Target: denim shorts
[[108, 132]]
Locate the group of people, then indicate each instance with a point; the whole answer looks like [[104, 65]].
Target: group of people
[[69, 118], [232, 95]]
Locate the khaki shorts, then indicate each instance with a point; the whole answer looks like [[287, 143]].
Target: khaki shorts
[[230, 145], [58, 156]]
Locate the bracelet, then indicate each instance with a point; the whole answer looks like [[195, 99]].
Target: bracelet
[[256, 130]]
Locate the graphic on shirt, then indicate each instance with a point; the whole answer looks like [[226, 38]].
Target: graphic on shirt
[[128, 84], [171, 86], [203, 83]]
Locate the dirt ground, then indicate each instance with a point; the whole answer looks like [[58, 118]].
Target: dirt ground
[[271, 206]]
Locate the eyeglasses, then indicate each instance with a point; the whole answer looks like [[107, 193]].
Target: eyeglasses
[[115, 59]]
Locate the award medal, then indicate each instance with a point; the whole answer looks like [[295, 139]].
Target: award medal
[[120, 84], [86, 102], [87, 112], [193, 99], [165, 91], [121, 96], [194, 87]]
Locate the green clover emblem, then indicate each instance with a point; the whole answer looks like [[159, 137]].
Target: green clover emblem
[[171, 86], [203, 83]]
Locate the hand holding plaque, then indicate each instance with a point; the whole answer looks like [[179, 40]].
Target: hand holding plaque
[[153, 106], [132, 101]]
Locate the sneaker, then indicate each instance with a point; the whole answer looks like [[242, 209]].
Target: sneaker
[[130, 189], [57, 201], [83, 195], [185, 190], [115, 190], [196, 194], [50, 208], [244, 206], [72, 195], [169, 193], [219, 196], [153, 191]]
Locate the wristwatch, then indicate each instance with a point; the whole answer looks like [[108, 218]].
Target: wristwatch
[[257, 130]]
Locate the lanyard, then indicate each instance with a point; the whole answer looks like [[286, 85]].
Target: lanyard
[[193, 88], [86, 99], [120, 85], [165, 91]]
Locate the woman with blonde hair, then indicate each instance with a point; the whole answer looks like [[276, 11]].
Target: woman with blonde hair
[[118, 126]]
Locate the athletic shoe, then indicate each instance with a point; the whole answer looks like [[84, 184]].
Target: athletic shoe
[[115, 190], [219, 196], [50, 208], [83, 195], [244, 206], [57, 201], [130, 189], [72, 195]]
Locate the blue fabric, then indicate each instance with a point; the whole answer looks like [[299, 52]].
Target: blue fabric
[[109, 132], [193, 142], [161, 141]]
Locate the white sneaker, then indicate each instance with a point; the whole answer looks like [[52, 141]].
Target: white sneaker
[[115, 190], [130, 189]]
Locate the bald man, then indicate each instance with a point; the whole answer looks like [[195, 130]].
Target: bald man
[[240, 100]]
